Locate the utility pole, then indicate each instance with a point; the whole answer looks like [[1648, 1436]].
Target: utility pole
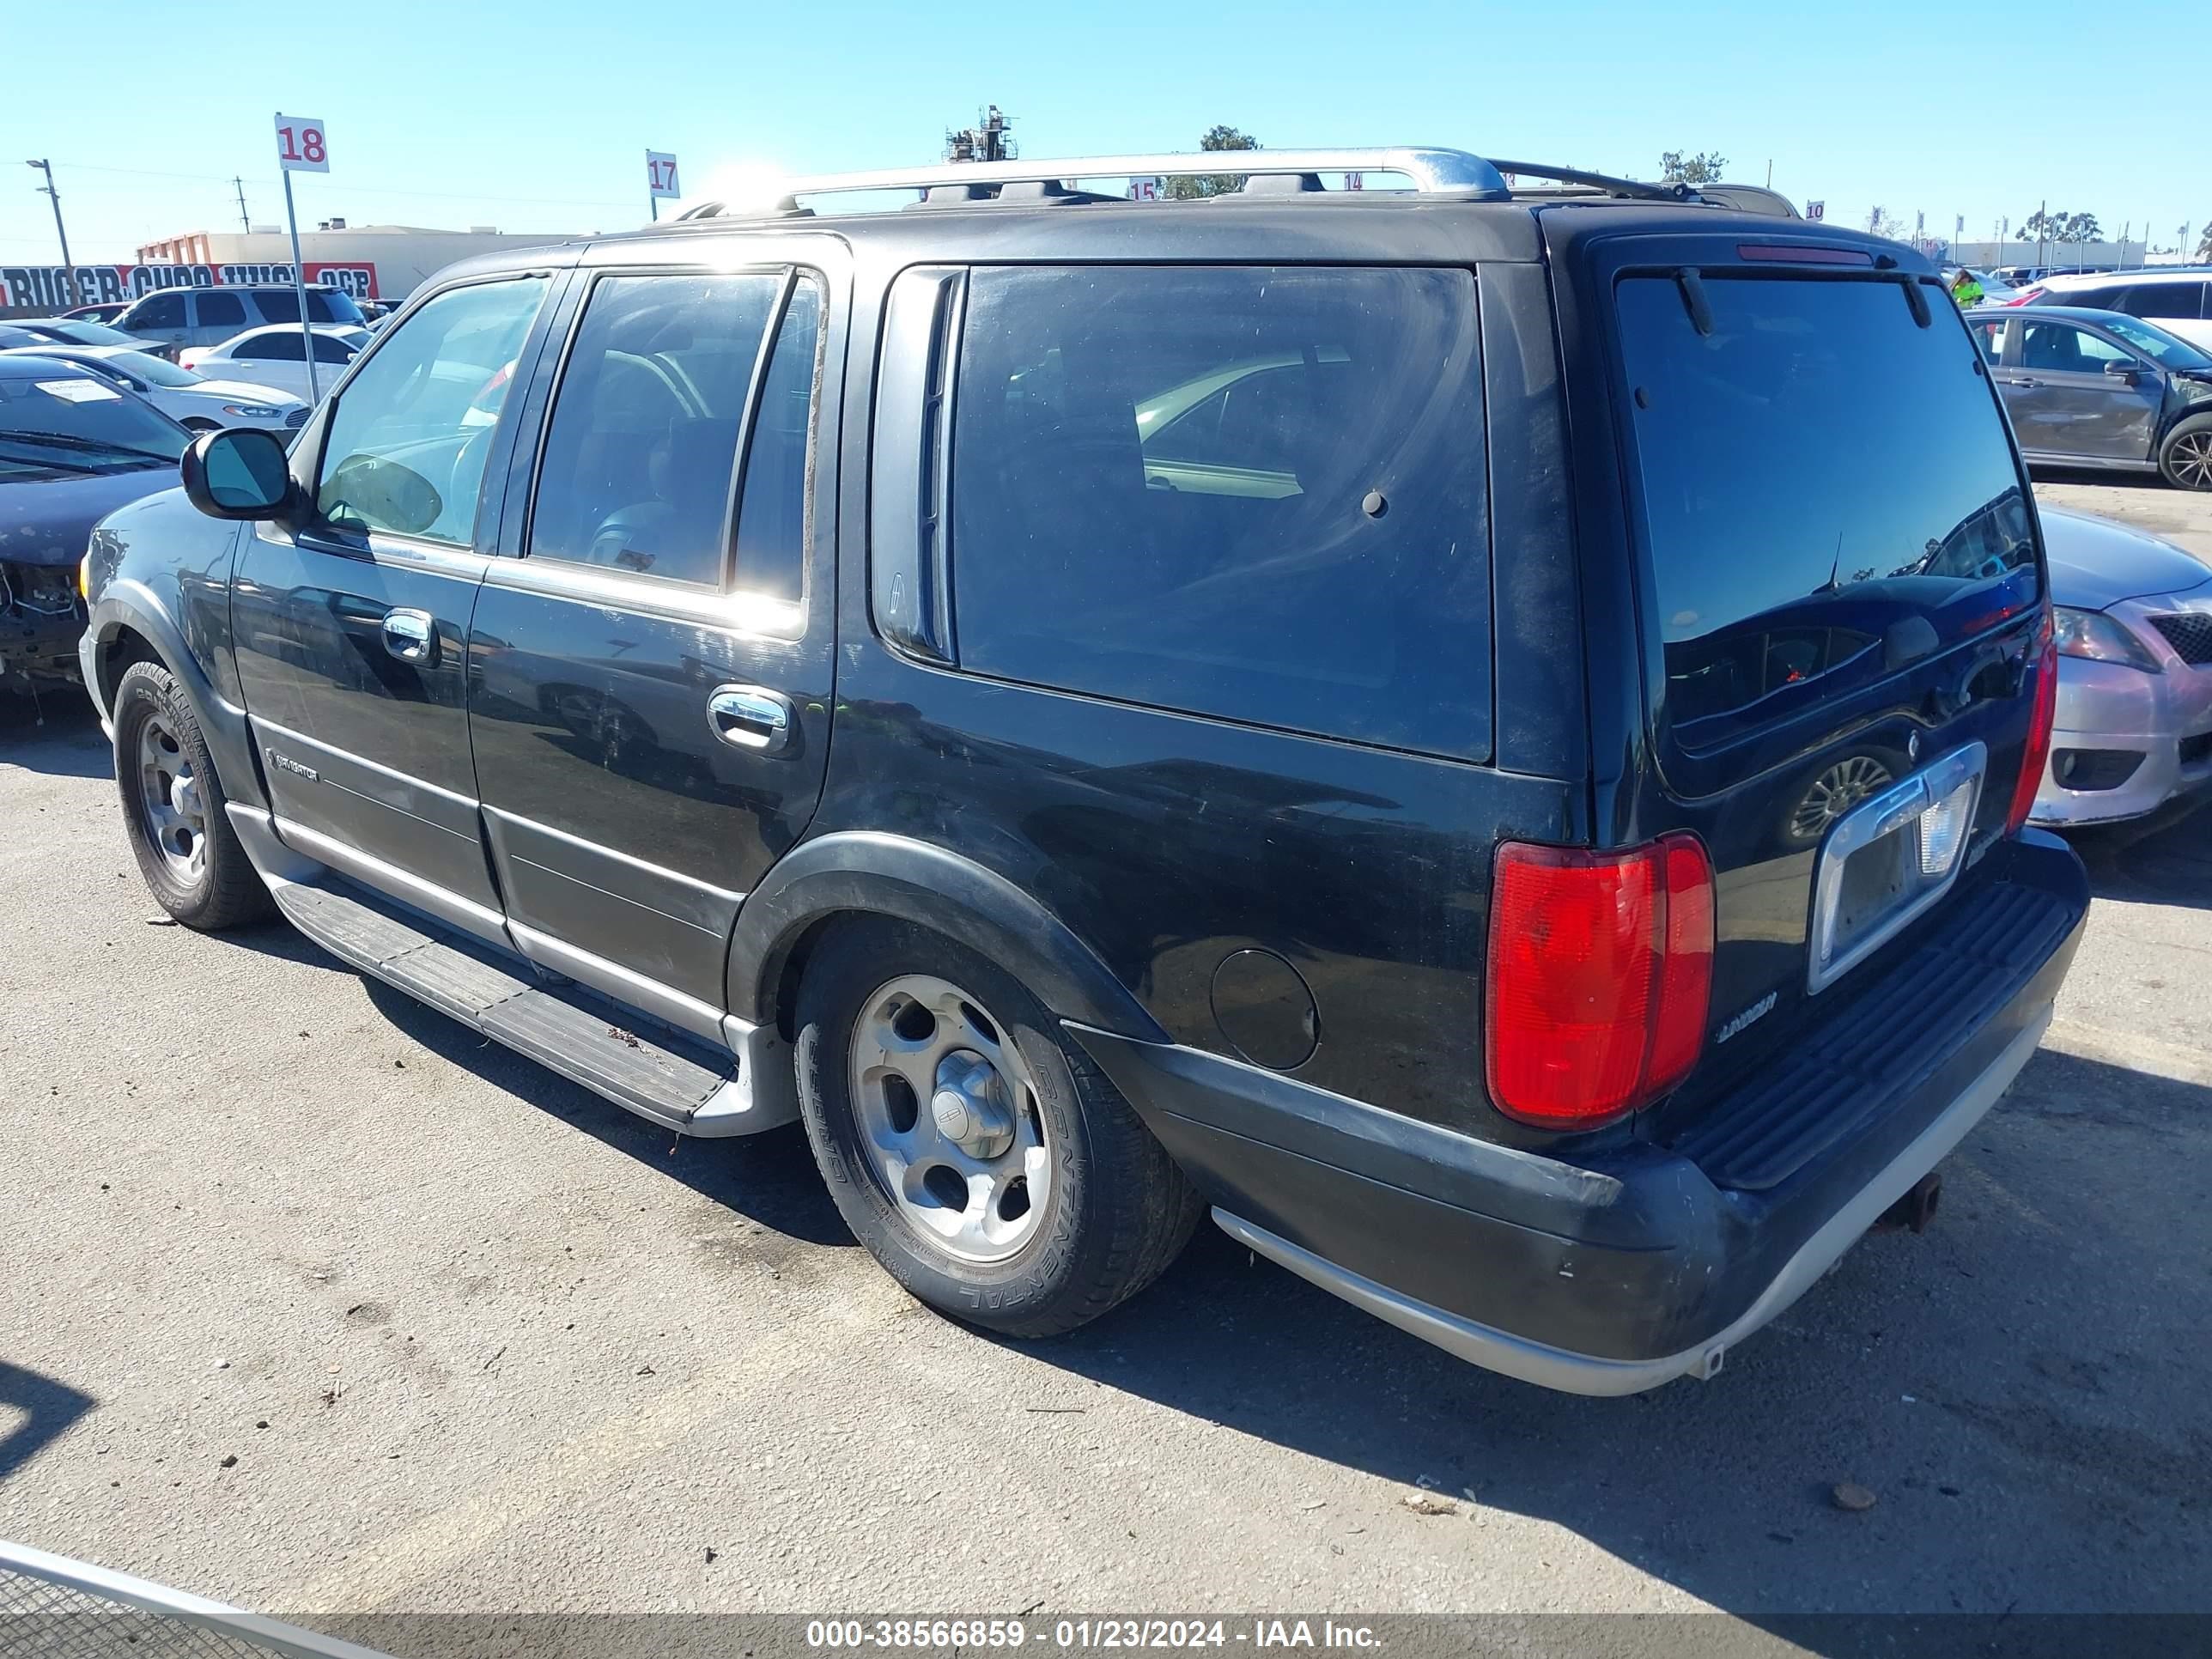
[[244, 223], [68, 269], [2042, 228]]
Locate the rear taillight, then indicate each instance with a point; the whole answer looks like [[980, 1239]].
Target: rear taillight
[[2036, 756], [2025, 296], [1600, 975]]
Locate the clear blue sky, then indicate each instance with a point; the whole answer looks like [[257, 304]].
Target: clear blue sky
[[536, 118]]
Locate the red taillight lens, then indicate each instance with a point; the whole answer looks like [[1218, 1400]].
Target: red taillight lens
[[1600, 975], [2024, 296], [2036, 756]]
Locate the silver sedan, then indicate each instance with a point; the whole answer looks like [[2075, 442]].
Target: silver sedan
[[2134, 726]]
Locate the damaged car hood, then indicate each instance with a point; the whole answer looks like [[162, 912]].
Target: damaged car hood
[[47, 514]]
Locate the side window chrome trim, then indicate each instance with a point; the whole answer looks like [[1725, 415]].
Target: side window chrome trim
[[653, 596]]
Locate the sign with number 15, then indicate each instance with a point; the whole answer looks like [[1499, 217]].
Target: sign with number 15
[[302, 146]]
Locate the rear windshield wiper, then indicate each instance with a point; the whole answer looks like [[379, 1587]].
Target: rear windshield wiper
[[68, 440]]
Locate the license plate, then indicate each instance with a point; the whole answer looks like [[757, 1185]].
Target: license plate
[[1889, 858]]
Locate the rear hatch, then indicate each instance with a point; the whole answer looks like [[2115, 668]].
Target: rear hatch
[[1839, 589]]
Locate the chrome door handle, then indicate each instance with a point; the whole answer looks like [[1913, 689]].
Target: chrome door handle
[[2027, 384], [750, 717], [412, 636]]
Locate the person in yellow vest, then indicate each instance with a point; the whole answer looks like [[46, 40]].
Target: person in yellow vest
[[1965, 289]]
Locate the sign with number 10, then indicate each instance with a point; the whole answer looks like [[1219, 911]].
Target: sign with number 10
[[302, 146]]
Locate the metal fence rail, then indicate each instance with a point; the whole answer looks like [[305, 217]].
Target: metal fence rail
[[53, 1607]]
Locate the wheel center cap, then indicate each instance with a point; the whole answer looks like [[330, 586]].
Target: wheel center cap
[[969, 1105]]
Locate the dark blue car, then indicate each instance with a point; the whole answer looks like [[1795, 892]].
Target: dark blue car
[[73, 448]]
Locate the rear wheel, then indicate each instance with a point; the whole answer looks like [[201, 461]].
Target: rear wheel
[[979, 1156], [2185, 457], [172, 807]]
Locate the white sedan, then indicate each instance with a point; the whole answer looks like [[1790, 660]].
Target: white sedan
[[276, 355], [191, 399]]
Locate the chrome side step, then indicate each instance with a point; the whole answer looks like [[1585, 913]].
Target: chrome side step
[[684, 1084]]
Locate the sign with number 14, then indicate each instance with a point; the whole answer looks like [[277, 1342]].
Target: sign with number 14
[[302, 145]]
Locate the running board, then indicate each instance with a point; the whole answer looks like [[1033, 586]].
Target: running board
[[677, 1081]]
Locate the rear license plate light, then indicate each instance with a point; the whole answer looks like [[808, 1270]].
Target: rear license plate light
[[1888, 859]]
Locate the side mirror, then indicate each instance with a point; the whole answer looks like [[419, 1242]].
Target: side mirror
[[2129, 372], [241, 472]]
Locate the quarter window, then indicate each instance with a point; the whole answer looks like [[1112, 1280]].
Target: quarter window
[[409, 440], [1252, 492], [641, 455]]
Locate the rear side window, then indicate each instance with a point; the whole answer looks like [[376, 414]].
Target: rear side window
[[278, 305], [274, 348], [1250, 493], [1816, 469], [640, 457], [219, 310]]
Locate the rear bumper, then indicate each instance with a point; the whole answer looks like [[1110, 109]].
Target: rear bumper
[[1617, 1271]]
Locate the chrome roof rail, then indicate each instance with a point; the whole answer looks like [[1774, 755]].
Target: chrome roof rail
[[1434, 173]]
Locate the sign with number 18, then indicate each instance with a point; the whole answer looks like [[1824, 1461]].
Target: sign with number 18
[[301, 144]]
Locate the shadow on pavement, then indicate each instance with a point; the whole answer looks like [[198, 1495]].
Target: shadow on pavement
[[55, 732], [2164, 859], [48, 1407], [2020, 1388], [770, 1178]]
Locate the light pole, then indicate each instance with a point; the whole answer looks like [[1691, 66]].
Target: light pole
[[69, 270]]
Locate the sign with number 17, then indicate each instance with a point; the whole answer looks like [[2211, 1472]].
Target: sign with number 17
[[301, 144], [661, 176]]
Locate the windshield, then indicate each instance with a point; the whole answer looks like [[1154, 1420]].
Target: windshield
[[82, 423], [2170, 349], [1818, 467], [155, 371]]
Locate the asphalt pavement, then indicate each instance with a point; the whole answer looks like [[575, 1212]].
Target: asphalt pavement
[[313, 1301]]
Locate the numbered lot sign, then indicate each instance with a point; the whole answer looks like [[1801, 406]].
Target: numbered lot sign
[[302, 146], [661, 176]]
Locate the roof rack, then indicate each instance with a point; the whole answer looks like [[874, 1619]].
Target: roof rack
[[1634, 190], [1434, 173]]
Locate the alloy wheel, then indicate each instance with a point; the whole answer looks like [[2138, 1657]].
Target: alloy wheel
[[948, 1119]]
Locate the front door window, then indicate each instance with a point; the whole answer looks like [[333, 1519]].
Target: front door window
[[410, 437]]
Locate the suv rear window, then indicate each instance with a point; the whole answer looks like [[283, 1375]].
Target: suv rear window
[[1251, 493], [1816, 469]]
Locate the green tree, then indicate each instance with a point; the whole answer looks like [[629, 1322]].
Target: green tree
[[2204, 245], [2043, 227], [1704, 168], [1214, 183], [2080, 228]]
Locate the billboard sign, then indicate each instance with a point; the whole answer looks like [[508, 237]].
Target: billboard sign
[[46, 287]]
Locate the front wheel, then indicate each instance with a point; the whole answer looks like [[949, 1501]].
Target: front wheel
[[2185, 457], [981, 1155], [172, 807]]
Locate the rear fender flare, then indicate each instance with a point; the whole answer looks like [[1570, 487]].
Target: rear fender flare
[[870, 873]]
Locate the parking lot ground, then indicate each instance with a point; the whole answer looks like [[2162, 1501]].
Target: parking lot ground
[[314, 1302]]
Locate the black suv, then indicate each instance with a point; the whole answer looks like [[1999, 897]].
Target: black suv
[[1485, 740]]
